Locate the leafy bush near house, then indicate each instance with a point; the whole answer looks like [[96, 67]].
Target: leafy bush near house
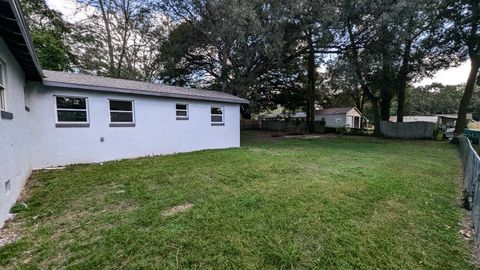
[[18, 207]]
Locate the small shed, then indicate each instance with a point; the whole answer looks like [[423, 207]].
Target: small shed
[[340, 117]]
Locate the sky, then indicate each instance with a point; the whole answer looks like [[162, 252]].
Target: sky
[[455, 75], [68, 8]]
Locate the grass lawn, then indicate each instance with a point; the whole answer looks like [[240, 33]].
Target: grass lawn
[[329, 203]]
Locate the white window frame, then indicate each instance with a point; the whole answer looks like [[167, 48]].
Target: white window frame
[[76, 110], [3, 87], [222, 108], [179, 110], [123, 100]]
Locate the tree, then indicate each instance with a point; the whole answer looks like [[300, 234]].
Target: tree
[[225, 45], [464, 18], [358, 30], [49, 35], [422, 47], [309, 37], [435, 99], [392, 45], [344, 88], [119, 39]]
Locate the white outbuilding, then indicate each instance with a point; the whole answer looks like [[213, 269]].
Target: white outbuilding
[[340, 117]]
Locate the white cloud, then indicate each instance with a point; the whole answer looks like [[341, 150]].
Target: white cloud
[[455, 75], [70, 9]]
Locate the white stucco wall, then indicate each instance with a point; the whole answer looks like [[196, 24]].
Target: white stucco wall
[[156, 129], [14, 135], [31, 140], [331, 119], [345, 120], [350, 119]]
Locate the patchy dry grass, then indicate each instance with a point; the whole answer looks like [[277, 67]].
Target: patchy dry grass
[[327, 203], [177, 209]]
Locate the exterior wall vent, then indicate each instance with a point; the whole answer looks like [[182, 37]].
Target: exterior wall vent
[[7, 187]]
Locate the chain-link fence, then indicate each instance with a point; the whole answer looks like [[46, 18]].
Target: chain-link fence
[[471, 170]]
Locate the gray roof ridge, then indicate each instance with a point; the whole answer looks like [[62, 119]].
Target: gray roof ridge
[[153, 88]]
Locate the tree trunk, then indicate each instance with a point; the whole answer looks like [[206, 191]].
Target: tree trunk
[[402, 81], [311, 86], [106, 21], [365, 88], [401, 103], [376, 116], [224, 69], [362, 106], [245, 112], [467, 95], [126, 27], [385, 104]]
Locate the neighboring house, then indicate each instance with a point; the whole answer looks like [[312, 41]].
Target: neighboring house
[[447, 120], [340, 117], [284, 116], [450, 120], [53, 118], [417, 118]]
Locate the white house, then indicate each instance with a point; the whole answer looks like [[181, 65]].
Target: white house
[[51, 118], [340, 117]]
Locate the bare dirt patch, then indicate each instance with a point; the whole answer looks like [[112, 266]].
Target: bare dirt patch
[[312, 136], [177, 209], [8, 234], [467, 232], [270, 135]]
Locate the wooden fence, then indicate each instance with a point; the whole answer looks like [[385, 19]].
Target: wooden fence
[[471, 177], [284, 126], [249, 124], [281, 126], [407, 130]]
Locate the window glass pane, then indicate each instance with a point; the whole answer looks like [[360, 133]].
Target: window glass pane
[[217, 118], [121, 117], [2, 74], [118, 105], [2, 99], [182, 113], [72, 116], [216, 110], [71, 103], [181, 106]]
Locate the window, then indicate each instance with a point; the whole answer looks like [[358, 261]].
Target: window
[[7, 187], [217, 115], [71, 110], [181, 111], [3, 105], [121, 112]]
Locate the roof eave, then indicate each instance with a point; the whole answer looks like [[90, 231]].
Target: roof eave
[[20, 19], [357, 110], [141, 92]]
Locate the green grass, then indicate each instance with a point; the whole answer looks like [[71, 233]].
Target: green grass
[[332, 203]]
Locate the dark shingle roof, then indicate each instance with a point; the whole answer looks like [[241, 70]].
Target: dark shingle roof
[[98, 83], [334, 110]]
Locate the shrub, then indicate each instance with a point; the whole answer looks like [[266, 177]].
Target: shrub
[[18, 207]]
